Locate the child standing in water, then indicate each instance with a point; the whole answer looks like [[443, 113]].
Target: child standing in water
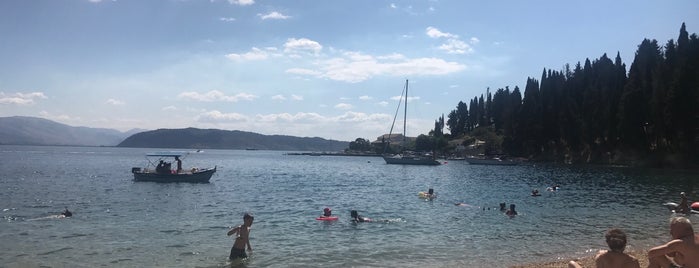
[[242, 238]]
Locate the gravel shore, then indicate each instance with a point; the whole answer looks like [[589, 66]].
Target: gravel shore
[[585, 262]]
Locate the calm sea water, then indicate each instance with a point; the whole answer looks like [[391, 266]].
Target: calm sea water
[[121, 223]]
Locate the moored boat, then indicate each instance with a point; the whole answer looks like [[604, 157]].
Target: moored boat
[[157, 170], [402, 159], [407, 158]]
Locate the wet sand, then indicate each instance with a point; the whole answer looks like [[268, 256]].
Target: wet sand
[[585, 262]]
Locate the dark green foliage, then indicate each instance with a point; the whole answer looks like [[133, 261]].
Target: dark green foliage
[[360, 145], [595, 113]]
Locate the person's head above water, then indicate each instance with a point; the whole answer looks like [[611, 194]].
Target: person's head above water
[[354, 214], [327, 212], [512, 207], [430, 191]]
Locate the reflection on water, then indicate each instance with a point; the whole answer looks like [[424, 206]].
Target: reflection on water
[[118, 222]]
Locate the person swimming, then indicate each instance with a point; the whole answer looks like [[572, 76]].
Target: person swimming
[[327, 212], [503, 206], [511, 211], [429, 195], [66, 213], [358, 218]]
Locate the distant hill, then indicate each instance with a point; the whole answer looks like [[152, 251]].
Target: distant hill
[[22, 130], [194, 138]]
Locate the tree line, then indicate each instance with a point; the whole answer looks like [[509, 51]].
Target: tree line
[[595, 112]]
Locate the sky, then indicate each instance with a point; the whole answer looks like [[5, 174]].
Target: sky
[[307, 68]]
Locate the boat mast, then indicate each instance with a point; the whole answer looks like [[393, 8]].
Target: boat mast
[[405, 112]]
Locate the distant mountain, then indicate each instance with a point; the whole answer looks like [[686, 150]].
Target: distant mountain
[[194, 138], [22, 130]]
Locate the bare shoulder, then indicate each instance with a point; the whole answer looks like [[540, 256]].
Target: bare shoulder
[[616, 260]]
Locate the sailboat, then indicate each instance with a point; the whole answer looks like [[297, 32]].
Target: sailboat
[[405, 157]]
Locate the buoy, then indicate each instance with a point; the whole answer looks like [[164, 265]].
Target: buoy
[[695, 206]]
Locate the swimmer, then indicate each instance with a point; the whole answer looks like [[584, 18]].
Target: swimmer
[[358, 218], [242, 238], [66, 213], [327, 212], [683, 207], [503, 206], [428, 195], [535, 192], [511, 211]]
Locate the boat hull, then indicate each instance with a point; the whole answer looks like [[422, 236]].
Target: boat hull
[[410, 161], [494, 162], [201, 176]]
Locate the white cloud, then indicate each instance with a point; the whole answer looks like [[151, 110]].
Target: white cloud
[[216, 116], [436, 33], [21, 98], [274, 15], [169, 108], [279, 98], [241, 2], [294, 45], [296, 97], [355, 69], [362, 117], [474, 40], [115, 102], [254, 54], [215, 95], [343, 106], [383, 103], [455, 46], [302, 71], [226, 19], [365, 98], [298, 118]]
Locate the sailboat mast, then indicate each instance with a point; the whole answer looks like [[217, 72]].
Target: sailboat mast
[[405, 112]]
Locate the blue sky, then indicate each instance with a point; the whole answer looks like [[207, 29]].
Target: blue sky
[[330, 69]]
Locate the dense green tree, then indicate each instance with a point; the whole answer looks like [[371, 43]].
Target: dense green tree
[[595, 112], [361, 145]]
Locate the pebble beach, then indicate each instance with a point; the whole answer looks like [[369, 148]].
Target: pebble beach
[[585, 262]]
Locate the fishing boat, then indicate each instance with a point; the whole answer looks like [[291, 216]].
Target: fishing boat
[[157, 169], [406, 157], [490, 161]]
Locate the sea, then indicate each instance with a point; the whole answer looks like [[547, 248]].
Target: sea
[[118, 222]]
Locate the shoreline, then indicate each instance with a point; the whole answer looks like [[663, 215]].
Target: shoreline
[[589, 261]]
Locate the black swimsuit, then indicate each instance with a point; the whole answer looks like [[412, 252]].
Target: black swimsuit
[[237, 253]]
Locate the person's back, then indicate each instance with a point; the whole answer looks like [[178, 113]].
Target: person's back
[[614, 259], [683, 249], [689, 251], [615, 256]]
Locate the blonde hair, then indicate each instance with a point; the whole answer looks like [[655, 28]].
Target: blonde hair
[[683, 222]]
